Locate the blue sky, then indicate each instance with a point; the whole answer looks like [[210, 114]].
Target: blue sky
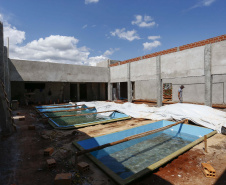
[[89, 31]]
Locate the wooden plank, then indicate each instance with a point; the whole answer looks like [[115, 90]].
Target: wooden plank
[[80, 114], [129, 138], [60, 107], [71, 110]]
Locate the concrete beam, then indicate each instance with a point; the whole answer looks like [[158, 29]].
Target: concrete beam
[[109, 83], [208, 75], [129, 84], [159, 81]]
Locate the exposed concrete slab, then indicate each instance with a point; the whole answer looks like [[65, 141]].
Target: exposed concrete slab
[[145, 89], [208, 75], [219, 58], [118, 73], [22, 70], [218, 93], [183, 63], [185, 80], [191, 93], [143, 69]]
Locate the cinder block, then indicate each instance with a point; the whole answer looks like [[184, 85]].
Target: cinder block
[[83, 167], [31, 127], [48, 151], [63, 179], [51, 163], [208, 170]]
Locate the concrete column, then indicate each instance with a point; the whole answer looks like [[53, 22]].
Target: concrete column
[[159, 81], [109, 83], [208, 76], [78, 92], [4, 114], [6, 74], [129, 84]]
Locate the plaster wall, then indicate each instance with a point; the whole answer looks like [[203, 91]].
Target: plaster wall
[[143, 69], [145, 89], [118, 73], [191, 93], [102, 64], [22, 70], [219, 89], [184, 63], [219, 58]]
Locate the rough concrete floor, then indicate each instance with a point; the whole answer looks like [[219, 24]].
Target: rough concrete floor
[[22, 161]]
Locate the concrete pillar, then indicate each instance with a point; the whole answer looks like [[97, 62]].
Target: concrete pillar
[[78, 92], [129, 84], [159, 81], [208, 76], [6, 74], [109, 83], [4, 114]]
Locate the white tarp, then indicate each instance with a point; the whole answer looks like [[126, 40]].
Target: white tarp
[[199, 114]]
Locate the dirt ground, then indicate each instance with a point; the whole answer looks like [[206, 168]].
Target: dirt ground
[[22, 161]]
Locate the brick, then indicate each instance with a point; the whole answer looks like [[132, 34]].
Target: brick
[[83, 167], [208, 170], [48, 151], [51, 163], [31, 127], [63, 179]]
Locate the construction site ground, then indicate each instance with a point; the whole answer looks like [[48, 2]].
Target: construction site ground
[[22, 161]]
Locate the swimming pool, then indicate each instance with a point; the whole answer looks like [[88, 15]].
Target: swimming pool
[[130, 160], [78, 116]]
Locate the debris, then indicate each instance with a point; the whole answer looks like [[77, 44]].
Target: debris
[[21, 118], [63, 179], [208, 170], [48, 151], [51, 163], [83, 167], [44, 136], [31, 127]]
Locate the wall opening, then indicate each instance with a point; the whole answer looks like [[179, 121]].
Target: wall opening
[[73, 92], [83, 92], [167, 91], [123, 90]]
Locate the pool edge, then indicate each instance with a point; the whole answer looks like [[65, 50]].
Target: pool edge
[[145, 171]]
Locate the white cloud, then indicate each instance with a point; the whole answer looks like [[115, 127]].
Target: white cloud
[[153, 37], [94, 60], [54, 48], [85, 26], [146, 21], [127, 35], [202, 3], [91, 1], [151, 45]]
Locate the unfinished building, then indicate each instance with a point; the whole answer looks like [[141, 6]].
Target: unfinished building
[[155, 77]]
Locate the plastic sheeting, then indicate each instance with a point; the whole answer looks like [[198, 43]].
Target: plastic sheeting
[[199, 114]]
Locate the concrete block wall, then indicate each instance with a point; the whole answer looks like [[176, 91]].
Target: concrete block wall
[[187, 65]]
